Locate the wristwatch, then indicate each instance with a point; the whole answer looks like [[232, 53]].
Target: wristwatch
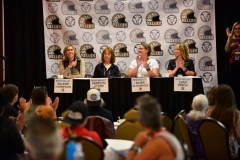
[[134, 148]]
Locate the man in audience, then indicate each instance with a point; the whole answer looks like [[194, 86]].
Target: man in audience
[[94, 105], [43, 140], [76, 117], [155, 142]]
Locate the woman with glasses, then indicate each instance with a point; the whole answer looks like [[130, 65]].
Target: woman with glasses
[[181, 65], [142, 66], [72, 66], [233, 47]]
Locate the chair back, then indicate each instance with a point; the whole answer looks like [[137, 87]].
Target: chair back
[[64, 113], [128, 130], [176, 129], [187, 136], [60, 123], [167, 121], [215, 139], [131, 114], [90, 148], [102, 126]]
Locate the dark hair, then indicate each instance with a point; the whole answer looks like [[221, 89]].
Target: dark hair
[[2, 102], [9, 91], [39, 95], [149, 112], [211, 95], [147, 47]]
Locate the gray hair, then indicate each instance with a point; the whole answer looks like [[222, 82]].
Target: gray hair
[[199, 106], [149, 112]]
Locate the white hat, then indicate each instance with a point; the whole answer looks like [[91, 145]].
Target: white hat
[[93, 97]]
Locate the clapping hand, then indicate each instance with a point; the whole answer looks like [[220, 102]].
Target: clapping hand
[[146, 65], [138, 60], [229, 34], [23, 105]]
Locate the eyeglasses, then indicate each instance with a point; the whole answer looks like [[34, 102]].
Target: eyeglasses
[[141, 48], [236, 29]]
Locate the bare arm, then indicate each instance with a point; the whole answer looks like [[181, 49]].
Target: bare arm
[[227, 46]]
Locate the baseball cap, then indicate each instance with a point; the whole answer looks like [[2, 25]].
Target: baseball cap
[[77, 113], [93, 97]]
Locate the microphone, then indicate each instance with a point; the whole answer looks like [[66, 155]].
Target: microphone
[[76, 58]]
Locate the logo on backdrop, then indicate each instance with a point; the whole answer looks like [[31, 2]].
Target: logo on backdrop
[[122, 66], [135, 6], [204, 5], [137, 19], [70, 21], [206, 46], [86, 7], [86, 51], [52, 7], [101, 7], [54, 52], [68, 8], [153, 4], [152, 19], [205, 16], [204, 33], [207, 77], [154, 34], [119, 6], [103, 21], [189, 31], [170, 6], [171, 36], [136, 48], [55, 68], [53, 0], [120, 36], [187, 16], [102, 37], [118, 21], [54, 37], [87, 37], [156, 48], [102, 48], [120, 50], [136, 36], [85, 21], [171, 49], [187, 3], [159, 63], [171, 19], [69, 37], [52, 22], [88, 67], [205, 64], [191, 45], [192, 60]]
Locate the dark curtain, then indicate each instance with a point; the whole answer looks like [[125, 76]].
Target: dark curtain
[[24, 41]]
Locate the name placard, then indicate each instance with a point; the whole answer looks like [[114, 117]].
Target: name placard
[[183, 84], [63, 86], [140, 84], [99, 83]]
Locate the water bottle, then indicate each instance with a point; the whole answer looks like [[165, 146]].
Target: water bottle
[[70, 150], [78, 154]]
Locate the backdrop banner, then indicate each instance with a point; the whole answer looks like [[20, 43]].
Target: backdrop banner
[[91, 25]]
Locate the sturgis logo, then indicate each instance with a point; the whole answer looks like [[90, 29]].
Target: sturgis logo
[[68, 8], [170, 6], [205, 64], [136, 35], [153, 4], [204, 33], [205, 16], [119, 6], [54, 52], [52, 22], [101, 7], [120, 50], [52, 7], [85, 21], [191, 45], [187, 16], [86, 7], [87, 37], [86, 51], [69, 37], [121, 36], [152, 19], [154, 34], [135, 6], [171, 36], [204, 5], [118, 21], [102, 37], [156, 48]]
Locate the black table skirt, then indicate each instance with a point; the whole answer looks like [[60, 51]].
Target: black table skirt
[[120, 97]]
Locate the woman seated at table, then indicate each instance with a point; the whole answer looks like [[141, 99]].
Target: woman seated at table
[[72, 66], [181, 65], [142, 66], [107, 68], [155, 142]]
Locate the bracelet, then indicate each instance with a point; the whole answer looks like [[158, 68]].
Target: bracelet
[[148, 69], [134, 148]]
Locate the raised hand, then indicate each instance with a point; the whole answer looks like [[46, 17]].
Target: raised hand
[[23, 105], [229, 33], [54, 105], [138, 60]]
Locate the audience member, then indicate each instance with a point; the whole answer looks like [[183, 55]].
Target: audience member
[[43, 140], [156, 142], [142, 66], [11, 142], [94, 105], [72, 66], [194, 119], [211, 95], [41, 105], [76, 117], [225, 110], [181, 65], [107, 68], [233, 48]]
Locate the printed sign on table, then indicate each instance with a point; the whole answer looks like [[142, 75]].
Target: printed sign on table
[[140, 84], [63, 86], [183, 84], [99, 83]]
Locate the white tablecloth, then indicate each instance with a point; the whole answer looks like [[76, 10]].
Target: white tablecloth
[[117, 144]]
